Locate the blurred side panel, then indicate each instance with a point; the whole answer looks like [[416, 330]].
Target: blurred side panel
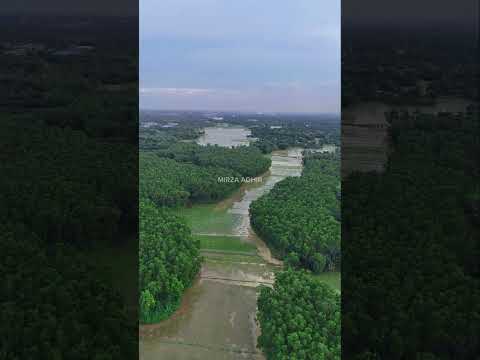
[[69, 180], [410, 180]]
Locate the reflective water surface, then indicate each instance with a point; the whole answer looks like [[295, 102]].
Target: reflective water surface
[[226, 135]]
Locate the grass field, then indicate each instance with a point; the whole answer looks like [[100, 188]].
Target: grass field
[[207, 218], [331, 278], [224, 243]]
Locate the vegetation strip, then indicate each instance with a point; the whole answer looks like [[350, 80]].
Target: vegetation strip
[[171, 178], [226, 243], [210, 347], [300, 217], [226, 252], [235, 280]]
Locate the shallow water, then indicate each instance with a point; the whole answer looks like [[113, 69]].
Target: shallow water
[[284, 164], [226, 136], [217, 316], [215, 322]]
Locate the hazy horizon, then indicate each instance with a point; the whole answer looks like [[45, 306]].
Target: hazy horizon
[[241, 111], [217, 55]]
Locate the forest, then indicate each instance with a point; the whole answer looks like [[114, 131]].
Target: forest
[[188, 173], [68, 170], [180, 175], [269, 132], [299, 318], [300, 217], [83, 190], [398, 66], [292, 134], [167, 182], [416, 294], [154, 139], [244, 160], [60, 201], [93, 92], [70, 303], [169, 260]]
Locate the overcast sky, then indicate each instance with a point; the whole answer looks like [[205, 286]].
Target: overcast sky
[[249, 55]]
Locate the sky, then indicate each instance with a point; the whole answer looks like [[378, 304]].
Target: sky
[[248, 55]]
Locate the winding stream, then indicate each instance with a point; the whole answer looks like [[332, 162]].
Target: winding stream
[[217, 317]]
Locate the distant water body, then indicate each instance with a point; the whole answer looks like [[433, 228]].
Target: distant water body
[[226, 136]]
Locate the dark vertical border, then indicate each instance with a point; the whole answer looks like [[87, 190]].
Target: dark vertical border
[[69, 180], [411, 169]]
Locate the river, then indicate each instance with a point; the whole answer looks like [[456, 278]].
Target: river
[[365, 148], [216, 319]]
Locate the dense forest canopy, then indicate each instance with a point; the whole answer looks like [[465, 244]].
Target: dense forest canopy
[[94, 91], [281, 137], [418, 295], [299, 318], [154, 139], [50, 300], [167, 182], [244, 160], [300, 218], [408, 66], [187, 172], [65, 185], [179, 175], [68, 169], [168, 259]]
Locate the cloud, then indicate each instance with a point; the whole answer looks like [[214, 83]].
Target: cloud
[[174, 91], [270, 97], [266, 20], [238, 55]]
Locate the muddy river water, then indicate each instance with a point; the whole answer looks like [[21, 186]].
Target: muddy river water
[[216, 319]]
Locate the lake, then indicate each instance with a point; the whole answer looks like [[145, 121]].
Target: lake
[[225, 135]]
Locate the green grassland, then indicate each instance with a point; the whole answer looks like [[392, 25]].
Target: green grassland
[[206, 218], [224, 243], [331, 278]]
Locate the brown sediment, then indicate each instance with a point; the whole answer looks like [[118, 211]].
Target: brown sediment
[[263, 250], [188, 298]]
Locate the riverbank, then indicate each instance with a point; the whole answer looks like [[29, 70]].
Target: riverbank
[[216, 319], [217, 316]]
